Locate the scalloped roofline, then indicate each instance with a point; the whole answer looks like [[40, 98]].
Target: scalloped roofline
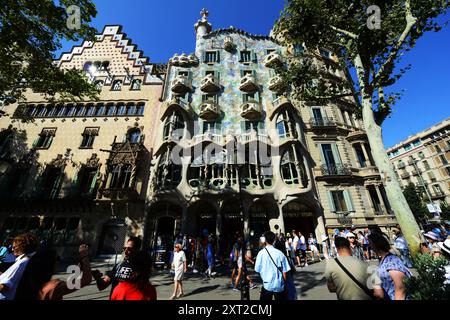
[[239, 31]]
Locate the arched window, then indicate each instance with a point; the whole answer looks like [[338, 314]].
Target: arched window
[[136, 84], [169, 173], [285, 125], [134, 135], [293, 171], [174, 127]]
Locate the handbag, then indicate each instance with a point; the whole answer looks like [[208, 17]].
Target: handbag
[[363, 288]]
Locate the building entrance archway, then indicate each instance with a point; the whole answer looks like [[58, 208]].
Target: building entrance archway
[[298, 216]]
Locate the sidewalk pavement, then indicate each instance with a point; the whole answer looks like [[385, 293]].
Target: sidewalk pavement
[[309, 281]]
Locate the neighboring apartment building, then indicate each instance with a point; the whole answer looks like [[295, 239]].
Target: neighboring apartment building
[[226, 96], [424, 160], [78, 172]]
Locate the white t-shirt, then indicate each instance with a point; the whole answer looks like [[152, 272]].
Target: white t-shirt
[[12, 277], [302, 245], [296, 244], [178, 260]]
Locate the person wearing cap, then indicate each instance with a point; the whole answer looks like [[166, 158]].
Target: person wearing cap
[[445, 251], [357, 251]]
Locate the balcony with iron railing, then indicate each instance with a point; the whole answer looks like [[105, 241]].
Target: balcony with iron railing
[[253, 136], [437, 195], [320, 123], [335, 170], [405, 175]]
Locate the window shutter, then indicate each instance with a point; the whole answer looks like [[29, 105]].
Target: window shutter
[[331, 202], [75, 182], [94, 181], [254, 57], [336, 155], [218, 56], [322, 157], [240, 58], [55, 189], [189, 75], [204, 56], [348, 201], [35, 143], [217, 75], [49, 142], [242, 126]]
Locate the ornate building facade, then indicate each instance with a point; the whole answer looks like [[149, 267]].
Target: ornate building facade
[[423, 159], [231, 139], [78, 172]]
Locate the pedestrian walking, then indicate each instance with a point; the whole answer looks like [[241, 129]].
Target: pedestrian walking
[[135, 284], [402, 246], [302, 248], [296, 247], [312, 243], [357, 251], [24, 247], [180, 266], [210, 257], [199, 256], [347, 275], [272, 265], [242, 245], [112, 277], [391, 270], [325, 247]]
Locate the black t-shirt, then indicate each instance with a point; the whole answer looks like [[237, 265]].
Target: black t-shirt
[[119, 272]]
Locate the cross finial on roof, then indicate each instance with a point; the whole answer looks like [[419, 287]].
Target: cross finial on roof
[[204, 13]]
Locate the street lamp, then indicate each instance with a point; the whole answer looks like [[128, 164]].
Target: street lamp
[[245, 285]]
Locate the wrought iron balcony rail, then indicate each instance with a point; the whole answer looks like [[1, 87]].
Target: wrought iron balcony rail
[[322, 122], [336, 170]]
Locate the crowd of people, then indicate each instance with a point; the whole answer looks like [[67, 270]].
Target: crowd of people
[[27, 266]]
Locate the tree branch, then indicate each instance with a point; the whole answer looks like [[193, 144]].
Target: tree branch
[[345, 32], [410, 22]]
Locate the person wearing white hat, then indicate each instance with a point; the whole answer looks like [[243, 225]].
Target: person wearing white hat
[[445, 251], [432, 239], [357, 251]]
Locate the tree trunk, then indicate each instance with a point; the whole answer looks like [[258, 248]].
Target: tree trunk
[[397, 200]]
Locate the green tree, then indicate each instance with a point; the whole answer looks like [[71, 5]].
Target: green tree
[[416, 203], [30, 32], [430, 279], [346, 28]]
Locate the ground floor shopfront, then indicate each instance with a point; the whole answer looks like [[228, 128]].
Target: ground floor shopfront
[[104, 226]]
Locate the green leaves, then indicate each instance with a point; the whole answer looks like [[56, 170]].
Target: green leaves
[[429, 282], [342, 27], [30, 32]]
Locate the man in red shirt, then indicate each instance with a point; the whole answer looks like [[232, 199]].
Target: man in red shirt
[[135, 284]]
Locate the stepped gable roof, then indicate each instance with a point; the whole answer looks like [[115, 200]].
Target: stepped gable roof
[[239, 31], [122, 41]]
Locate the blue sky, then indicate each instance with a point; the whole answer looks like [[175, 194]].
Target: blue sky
[[162, 28]]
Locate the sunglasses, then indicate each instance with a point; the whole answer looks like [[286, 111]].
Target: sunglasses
[[128, 248]]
